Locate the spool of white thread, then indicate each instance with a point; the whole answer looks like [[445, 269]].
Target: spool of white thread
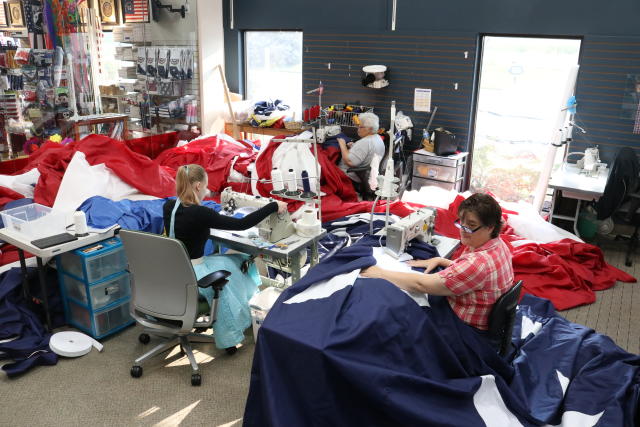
[[292, 187], [276, 180], [80, 222], [309, 216]]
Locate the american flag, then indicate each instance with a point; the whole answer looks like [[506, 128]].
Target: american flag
[[135, 10]]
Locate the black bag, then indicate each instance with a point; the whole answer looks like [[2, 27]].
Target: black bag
[[445, 142]]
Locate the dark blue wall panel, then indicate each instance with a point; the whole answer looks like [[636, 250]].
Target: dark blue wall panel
[[427, 51], [605, 64], [434, 61]]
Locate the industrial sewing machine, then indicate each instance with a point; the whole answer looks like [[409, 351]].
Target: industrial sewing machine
[[419, 225], [273, 228]]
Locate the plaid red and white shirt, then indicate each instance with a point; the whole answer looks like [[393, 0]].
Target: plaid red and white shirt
[[477, 279]]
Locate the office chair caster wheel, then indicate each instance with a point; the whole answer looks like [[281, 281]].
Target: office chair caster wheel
[[196, 379], [231, 350], [144, 338], [136, 371]]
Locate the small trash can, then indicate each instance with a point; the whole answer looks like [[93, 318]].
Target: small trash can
[[587, 224], [260, 304]]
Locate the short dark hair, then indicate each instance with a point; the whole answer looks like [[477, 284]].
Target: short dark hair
[[487, 210]]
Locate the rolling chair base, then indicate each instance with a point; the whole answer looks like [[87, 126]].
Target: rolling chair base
[[185, 348]]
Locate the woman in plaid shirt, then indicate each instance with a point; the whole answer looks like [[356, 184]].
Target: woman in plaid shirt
[[473, 282]]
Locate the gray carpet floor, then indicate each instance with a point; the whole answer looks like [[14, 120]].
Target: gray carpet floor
[[97, 389]]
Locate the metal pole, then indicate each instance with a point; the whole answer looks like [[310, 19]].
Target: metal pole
[[315, 153]]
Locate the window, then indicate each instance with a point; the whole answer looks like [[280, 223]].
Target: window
[[109, 64], [522, 81], [273, 67]]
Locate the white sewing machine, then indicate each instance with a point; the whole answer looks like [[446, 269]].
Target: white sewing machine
[[590, 161], [273, 228], [419, 224]]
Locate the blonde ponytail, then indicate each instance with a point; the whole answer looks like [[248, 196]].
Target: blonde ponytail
[[186, 176]]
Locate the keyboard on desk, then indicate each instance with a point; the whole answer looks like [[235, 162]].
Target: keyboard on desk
[[54, 240]]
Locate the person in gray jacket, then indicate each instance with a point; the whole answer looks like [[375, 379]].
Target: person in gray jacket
[[362, 151]]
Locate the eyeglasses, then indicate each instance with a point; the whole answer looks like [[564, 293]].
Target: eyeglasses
[[465, 228]]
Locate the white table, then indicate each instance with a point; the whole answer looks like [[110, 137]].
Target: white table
[[575, 185], [23, 244], [445, 245], [288, 251]]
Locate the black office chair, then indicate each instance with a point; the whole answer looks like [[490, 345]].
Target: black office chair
[[502, 317], [621, 198]]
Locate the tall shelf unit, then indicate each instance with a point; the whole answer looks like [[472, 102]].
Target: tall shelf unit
[[156, 105]]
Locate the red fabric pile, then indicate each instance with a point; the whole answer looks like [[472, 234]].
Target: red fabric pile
[[215, 155], [566, 272], [135, 169]]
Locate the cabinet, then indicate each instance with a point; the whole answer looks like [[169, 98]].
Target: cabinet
[[442, 171], [96, 288]]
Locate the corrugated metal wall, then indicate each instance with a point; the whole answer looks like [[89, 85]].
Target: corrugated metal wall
[[431, 61], [602, 82]]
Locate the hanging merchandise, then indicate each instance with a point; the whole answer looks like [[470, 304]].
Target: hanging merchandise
[[34, 15], [163, 62], [141, 63], [152, 56], [175, 63]]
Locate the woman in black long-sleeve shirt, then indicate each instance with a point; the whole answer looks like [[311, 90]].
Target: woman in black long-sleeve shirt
[[190, 222]]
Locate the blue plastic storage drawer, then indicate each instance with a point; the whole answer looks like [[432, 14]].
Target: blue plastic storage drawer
[[100, 323], [101, 293], [94, 262]]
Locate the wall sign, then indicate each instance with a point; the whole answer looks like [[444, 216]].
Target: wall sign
[[108, 12]]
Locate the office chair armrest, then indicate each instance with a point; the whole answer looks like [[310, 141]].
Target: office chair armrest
[[634, 195], [357, 169], [217, 279]]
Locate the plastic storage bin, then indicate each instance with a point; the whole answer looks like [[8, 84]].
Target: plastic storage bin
[[94, 262], [260, 304], [102, 293], [34, 220], [101, 323]]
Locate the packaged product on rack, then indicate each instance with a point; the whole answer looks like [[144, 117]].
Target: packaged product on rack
[[163, 62], [141, 63], [45, 77], [187, 65], [22, 56], [30, 76], [152, 62], [42, 57], [61, 98], [175, 63]]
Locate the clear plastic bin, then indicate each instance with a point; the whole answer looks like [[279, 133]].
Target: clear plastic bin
[[94, 262], [101, 323], [102, 293], [34, 221]]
